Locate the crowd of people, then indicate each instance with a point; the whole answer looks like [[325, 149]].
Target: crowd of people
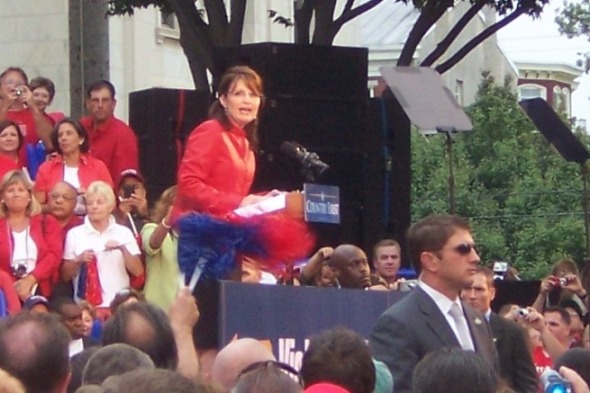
[[94, 296]]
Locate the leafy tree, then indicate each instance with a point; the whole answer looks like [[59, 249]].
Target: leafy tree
[[523, 199], [574, 21], [203, 29]]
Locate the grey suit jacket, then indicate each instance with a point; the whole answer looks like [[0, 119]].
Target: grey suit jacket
[[415, 326]]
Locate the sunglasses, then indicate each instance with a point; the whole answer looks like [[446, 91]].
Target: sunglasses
[[269, 363], [464, 248]]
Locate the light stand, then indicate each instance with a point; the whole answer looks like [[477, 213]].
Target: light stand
[[449, 141]]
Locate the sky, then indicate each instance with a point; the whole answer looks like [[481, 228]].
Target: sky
[[528, 39]]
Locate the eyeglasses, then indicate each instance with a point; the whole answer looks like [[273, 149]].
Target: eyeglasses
[[464, 248], [269, 363], [65, 197]]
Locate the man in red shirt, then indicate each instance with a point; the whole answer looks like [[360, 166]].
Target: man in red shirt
[[111, 140], [17, 104]]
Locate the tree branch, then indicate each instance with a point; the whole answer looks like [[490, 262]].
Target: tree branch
[[236, 25], [323, 33], [194, 41], [302, 18], [478, 39], [218, 20], [444, 44], [348, 13], [428, 16]]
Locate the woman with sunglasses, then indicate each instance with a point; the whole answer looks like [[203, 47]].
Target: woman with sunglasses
[[72, 164], [30, 242]]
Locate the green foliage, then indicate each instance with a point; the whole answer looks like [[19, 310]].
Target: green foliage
[[523, 199], [574, 21]]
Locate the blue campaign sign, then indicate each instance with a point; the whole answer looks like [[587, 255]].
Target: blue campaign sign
[[285, 317], [321, 203]]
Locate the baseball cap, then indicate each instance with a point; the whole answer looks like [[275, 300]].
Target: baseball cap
[[130, 173]]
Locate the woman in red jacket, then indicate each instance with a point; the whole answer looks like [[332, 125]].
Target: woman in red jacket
[[218, 165], [216, 174], [72, 164], [30, 243]]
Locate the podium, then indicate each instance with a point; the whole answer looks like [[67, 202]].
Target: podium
[[317, 203], [286, 316], [290, 202]]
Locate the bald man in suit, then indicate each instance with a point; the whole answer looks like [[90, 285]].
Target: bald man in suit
[[432, 315]]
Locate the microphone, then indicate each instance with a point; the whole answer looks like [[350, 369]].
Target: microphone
[[313, 167]]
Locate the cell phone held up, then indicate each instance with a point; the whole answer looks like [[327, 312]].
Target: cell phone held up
[[128, 190]]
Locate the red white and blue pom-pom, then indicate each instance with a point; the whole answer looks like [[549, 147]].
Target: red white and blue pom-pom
[[211, 247]]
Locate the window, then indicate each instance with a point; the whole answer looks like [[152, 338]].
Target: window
[[459, 91], [566, 96], [168, 20], [167, 27], [529, 91], [557, 100]]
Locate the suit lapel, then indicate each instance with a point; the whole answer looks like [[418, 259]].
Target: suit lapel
[[475, 323], [435, 320]]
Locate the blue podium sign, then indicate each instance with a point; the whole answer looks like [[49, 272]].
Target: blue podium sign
[[321, 203], [286, 317]]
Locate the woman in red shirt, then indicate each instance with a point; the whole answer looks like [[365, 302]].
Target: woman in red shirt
[[30, 243], [72, 164], [218, 165], [215, 176], [11, 140]]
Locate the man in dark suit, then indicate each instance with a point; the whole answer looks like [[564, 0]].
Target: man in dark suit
[[432, 316], [516, 363]]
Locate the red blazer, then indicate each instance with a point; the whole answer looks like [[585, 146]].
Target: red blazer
[[48, 236], [216, 172], [12, 300], [89, 170]]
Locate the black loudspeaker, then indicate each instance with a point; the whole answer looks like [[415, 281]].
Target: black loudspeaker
[[332, 129], [317, 96], [387, 193], [335, 131], [554, 130], [289, 70], [522, 293], [163, 119]]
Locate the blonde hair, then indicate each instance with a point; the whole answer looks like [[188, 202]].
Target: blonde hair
[[99, 187], [13, 177], [163, 203], [87, 307]]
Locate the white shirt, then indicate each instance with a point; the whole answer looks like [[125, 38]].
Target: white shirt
[[71, 176], [444, 304], [24, 250], [112, 273], [76, 346]]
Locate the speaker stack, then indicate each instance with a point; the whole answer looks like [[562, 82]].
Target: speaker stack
[[163, 119], [315, 96]]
